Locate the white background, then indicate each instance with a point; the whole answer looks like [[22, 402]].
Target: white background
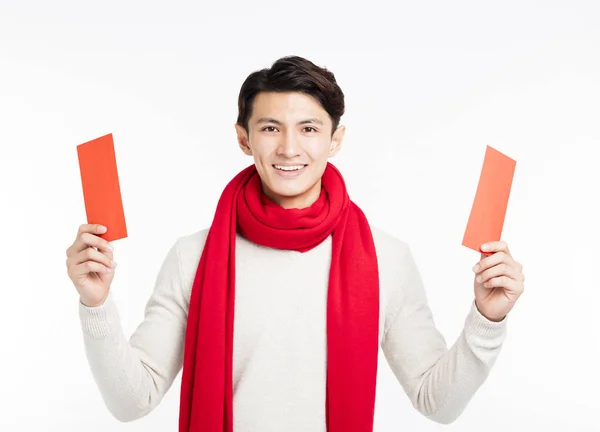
[[428, 85]]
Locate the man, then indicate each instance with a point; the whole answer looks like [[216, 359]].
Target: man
[[276, 312]]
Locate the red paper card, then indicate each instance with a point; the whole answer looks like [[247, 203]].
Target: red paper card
[[486, 219], [101, 188]]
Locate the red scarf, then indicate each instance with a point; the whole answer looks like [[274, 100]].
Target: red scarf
[[352, 303]]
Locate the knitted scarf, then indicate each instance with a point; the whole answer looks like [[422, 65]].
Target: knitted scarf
[[352, 302]]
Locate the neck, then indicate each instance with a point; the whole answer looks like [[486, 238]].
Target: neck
[[301, 201]]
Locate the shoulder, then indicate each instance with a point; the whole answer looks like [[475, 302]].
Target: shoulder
[[399, 277], [190, 245], [187, 250], [389, 247]]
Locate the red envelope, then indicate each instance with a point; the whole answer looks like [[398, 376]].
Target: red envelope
[[486, 219], [101, 188]]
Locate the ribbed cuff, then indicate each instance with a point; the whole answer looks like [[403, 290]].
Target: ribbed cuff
[[480, 327], [101, 321]]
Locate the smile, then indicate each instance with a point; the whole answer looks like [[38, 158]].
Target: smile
[[288, 167]]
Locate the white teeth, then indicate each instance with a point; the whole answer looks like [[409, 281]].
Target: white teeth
[[289, 167]]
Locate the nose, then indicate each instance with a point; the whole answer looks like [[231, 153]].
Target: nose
[[289, 146]]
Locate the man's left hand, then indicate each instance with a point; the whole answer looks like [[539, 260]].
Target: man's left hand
[[498, 281]]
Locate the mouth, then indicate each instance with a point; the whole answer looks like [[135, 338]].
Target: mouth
[[289, 168], [289, 171]]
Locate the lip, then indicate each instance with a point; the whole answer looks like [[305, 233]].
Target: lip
[[289, 174]]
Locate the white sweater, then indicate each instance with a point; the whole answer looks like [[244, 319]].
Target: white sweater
[[280, 338]]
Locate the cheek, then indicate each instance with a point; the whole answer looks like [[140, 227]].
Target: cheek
[[318, 149], [263, 146]]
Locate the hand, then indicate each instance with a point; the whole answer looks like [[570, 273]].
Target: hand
[[498, 281], [90, 265]]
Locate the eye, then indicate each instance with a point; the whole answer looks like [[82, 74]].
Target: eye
[[312, 129], [268, 129]]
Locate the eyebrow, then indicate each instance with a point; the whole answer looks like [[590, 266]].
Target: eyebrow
[[272, 120]]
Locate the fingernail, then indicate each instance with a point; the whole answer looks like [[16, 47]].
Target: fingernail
[[114, 264], [101, 229], [110, 247], [479, 278], [476, 268], [485, 247]]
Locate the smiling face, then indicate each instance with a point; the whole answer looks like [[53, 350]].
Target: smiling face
[[290, 138]]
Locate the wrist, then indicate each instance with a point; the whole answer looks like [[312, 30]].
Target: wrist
[[489, 317], [92, 303]]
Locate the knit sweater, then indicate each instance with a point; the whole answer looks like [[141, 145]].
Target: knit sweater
[[280, 346]]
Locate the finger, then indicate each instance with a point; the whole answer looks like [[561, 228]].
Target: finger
[[90, 267], [91, 228], [91, 254], [503, 282], [75, 260], [501, 269], [83, 229], [493, 260], [495, 246], [86, 240]]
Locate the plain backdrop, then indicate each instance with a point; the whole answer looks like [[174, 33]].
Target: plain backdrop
[[428, 85]]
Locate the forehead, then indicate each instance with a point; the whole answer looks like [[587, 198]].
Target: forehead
[[292, 105]]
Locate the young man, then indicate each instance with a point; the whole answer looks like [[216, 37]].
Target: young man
[[277, 312]]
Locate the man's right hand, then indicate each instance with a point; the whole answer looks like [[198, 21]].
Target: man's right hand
[[90, 265]]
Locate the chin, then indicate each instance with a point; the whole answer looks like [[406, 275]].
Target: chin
[[293, 188], [289, 190], [289, 194]]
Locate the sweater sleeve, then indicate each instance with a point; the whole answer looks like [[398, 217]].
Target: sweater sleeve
[[134, 375], [439, 381]]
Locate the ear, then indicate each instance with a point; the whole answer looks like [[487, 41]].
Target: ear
[[242, 138], [336, 140]]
